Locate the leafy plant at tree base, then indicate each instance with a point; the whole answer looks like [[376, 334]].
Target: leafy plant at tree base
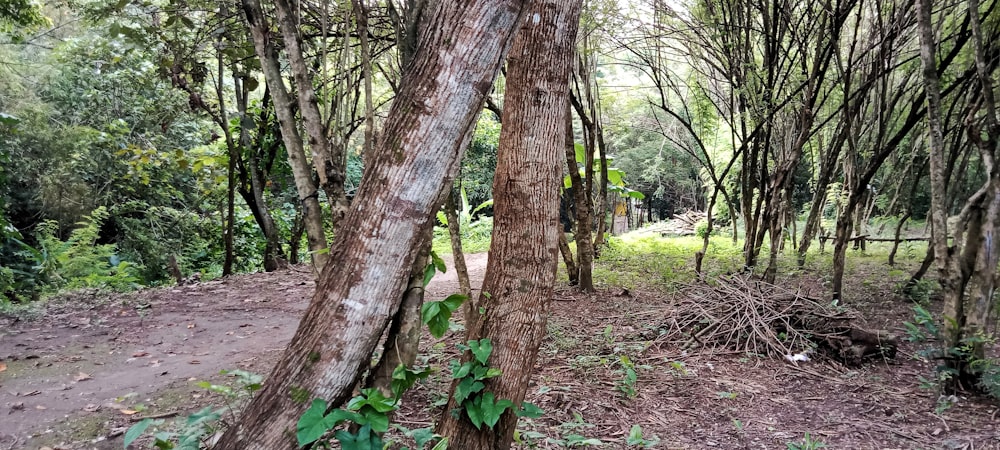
[[369, 412], [422, 437], [482, 408], [925, 328]]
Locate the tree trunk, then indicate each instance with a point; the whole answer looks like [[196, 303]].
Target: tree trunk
[[460, 48], [572, 272], [951, 286], [295, 240], [985, 213], [602, 209], [254, 195], [272, 241], [699, 256], [361, 15], [461, 270], [328, 159], [581, 203], [521, 271], [815, 216], [301, 170], [896, 235]]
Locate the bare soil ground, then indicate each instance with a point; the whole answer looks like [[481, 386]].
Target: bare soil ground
[[93, 364]]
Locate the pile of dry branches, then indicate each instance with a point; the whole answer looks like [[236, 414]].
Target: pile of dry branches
[[684, 224], [748, 315]]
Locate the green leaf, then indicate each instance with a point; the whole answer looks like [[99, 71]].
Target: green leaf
[[441, 445], [403, 379], [581, 153], [635, 435], [437, 314], [204, 415], [461, 371], [364, 440], [576, 440], [435, 317], [466, 388], [162, 441], [491, 409], [429, 310], [453, 302], [567, 182], [635, 194], [530, 410], [481, 349], [314, 423], [423, 435], [438, 262], [486, 204], [376, 400], [379, 423], [136, 430], [474, 410], [615, 177], [428, 274]]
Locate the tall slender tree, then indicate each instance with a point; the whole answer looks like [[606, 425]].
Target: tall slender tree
[[521, 271], [263, 41]]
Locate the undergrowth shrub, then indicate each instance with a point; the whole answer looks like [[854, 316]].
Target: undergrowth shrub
[[80, 261], [928, 329], [149, 235]]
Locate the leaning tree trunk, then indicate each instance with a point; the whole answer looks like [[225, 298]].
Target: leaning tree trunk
[[523, 257], [459, 51], [301, 171]]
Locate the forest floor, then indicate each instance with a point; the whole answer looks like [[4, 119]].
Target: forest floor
[[89, 365]]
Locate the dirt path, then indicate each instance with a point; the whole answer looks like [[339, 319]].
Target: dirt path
[[80, 375], [83, 365]]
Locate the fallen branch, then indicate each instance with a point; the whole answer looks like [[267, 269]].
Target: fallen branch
[[748, 315], [165, 415]]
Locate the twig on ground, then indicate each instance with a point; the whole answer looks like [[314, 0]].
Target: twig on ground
[[165, 415]]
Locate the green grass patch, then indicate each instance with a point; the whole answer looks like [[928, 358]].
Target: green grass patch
[[647, 259], [475, 237]]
